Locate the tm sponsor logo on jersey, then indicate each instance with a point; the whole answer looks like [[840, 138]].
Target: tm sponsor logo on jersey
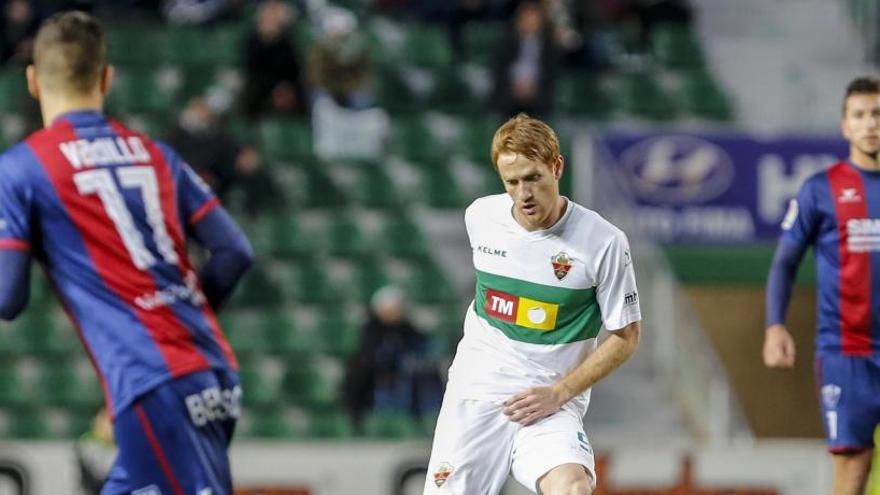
[[104, 151], [492, 251], [677, 170], [521, 311], [863, 235]]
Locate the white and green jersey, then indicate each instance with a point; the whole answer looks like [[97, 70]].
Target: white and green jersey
[[541, 299]]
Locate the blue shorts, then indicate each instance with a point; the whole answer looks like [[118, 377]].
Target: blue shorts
[[173, 440], [849, 395]]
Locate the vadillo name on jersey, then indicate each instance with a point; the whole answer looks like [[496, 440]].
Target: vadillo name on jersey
[[104, 151]]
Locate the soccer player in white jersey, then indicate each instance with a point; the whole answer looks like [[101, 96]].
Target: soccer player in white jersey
[[550, 275]]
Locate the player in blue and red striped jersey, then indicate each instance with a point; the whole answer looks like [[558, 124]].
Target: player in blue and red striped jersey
[[838, 212], [108, 212]]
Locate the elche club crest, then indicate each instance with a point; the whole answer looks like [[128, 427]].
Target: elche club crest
[[442, 474], [561, 264]]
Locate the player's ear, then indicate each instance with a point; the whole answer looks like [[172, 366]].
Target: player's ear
[[558, 167], [33, 88], [107, 79]]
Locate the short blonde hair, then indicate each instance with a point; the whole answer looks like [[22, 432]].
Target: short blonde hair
[[527, 136]]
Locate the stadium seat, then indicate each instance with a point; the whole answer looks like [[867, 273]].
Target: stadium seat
[[676, 46], [258, 289], [427, 46], [336, 335], [286, 239], [345, 239], [77, 424], [476, 140], [59, 383], [701, 96], [412, 139], [13, 89], [244, 333], [141, 90], [31, 425], [314, 285], [321, 191], [258, 392], [13, 391], [452, 93], [304, 384], [200, 46], [480, 40], [394, 93], [428, 285], [334, 425], [135, 45], [639, 94], [285, 336], [375, 188], [268, 424], [583, 94], [403, 238], [370, 277], [440, 188], [286, 138], [391, 426]]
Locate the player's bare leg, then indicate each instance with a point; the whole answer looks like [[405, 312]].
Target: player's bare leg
[[567, 479], [851, 472]]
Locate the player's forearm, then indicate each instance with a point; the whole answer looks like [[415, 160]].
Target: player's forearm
[[230, 256], [780, 281], [15, 282], [613, 352]]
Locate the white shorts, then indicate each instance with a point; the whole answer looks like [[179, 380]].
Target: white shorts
[[476, 447]]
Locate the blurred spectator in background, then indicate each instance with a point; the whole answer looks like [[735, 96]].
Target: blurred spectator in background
[[223, 163], [526, 62], [389, 371], [20, 23], [273, 81], [199, 11], [339, 61]]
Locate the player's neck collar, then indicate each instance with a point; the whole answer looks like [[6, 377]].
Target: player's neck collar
[[78, 116]]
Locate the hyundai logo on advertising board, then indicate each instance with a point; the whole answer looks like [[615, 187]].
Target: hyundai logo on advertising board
[[676, 170]]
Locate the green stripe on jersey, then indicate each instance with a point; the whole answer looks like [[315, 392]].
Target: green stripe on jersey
[[536, 313]]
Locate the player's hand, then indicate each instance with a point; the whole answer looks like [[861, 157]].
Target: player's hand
[[534, 404], [779, 349]]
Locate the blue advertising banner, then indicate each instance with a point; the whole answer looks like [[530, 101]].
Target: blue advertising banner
[[705, 188]]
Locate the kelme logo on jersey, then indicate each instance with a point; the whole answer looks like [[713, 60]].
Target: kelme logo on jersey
[[522, 311], [561, 264], [442, 474]]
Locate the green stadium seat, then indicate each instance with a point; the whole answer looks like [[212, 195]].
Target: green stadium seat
[[198, 46], [38, 334], [476, 139], [427, 46], [391, 426], [452, 93], [286, 240], [345, 239], [376, 188], [430, 286], [304, 385], [395, 94], [30, 425], [284, 336], [258, 289], [13, 89], [371, 276], [141, 90], [440, 188], [321, 190], [269, 424], [59, 383], [402, 237], [286, 139], [583, 94], [701, 96], [89, 396], [480, 40], [334, 425], [336, 335], [639, 94], [315, 287], [134, 45], [244, 333], [13, 391], [77, 424], [412, 139], [677, 46], [258, 391]]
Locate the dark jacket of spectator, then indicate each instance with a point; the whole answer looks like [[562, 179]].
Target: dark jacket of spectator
[[526, 64]]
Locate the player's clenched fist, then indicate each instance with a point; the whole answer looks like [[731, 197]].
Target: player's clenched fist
[[779, 350], [533, 404]]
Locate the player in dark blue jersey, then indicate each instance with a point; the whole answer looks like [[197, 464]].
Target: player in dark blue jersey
[[107, 211], [838, 213]]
